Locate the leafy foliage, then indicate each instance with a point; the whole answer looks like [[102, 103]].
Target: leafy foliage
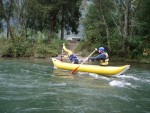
[[105, 23], [21, 47], [47, 14]]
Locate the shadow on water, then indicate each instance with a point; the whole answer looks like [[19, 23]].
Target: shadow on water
[[34, 86]]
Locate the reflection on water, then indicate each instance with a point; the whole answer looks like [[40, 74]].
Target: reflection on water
[[34, 86]]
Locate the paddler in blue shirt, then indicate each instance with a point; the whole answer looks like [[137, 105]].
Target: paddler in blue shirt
[[72, 57], [102, 57]]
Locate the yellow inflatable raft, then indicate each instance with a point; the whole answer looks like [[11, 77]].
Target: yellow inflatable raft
[[101, 70]]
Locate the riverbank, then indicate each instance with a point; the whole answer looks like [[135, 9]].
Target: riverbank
[[22, 47], [37, 50]]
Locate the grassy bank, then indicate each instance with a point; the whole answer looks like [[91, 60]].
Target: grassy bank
[[22, 47]]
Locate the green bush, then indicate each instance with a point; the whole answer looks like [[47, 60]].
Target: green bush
[[48, 49], [30, 47], [18, 47], [4, 45]]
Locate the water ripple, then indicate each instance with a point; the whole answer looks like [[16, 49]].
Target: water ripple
[[132, 76]]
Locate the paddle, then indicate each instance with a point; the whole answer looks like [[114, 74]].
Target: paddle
[[73, 71]]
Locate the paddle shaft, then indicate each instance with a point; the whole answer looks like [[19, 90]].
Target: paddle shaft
[[72, 72]]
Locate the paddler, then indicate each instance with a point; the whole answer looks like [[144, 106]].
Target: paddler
[[102, 57], [72, 57]]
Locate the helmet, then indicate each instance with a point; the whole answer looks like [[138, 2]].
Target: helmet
[[102, 49]]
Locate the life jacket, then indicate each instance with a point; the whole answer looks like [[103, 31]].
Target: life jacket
[[105, 62], [73, 58]]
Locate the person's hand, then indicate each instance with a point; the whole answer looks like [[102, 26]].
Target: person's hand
[[96, 49], [91, 59]]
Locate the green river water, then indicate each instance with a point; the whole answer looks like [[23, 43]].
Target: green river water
[[34, 86]]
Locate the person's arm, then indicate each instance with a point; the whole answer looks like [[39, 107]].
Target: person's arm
[[100, 57]]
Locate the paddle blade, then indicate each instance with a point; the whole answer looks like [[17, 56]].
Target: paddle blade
[[72, 72]]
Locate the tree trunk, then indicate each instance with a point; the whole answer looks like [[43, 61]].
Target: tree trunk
[[21, 16], [119, 25], [126, 23], [132, 26], [63, 19], [7, 17], [126, 18], [62, 27], [8, 27]]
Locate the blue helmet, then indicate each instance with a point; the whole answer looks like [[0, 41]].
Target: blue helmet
[[102, 49]]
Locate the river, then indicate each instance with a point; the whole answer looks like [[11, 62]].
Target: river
[[34, 86]]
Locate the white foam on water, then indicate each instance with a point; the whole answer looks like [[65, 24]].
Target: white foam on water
[[146, 81], [96, 76], [54, 67], [49, 93], [127, 76], [99, 76], [24, 70], [93, 75], [61, 84], [31, 109], [89, 74], [83, 73], [134, 78], [119, 83]]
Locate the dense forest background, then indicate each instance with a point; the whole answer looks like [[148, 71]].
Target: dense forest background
[[32, 27], [120, 25]]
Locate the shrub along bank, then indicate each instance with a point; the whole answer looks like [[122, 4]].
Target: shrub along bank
[[23, 47]]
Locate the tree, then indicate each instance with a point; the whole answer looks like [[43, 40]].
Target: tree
[[144, 21], [52, 15], [7, 12], [114, 23], [19, 15], [98, 23], [102, 6], [1, 17]]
